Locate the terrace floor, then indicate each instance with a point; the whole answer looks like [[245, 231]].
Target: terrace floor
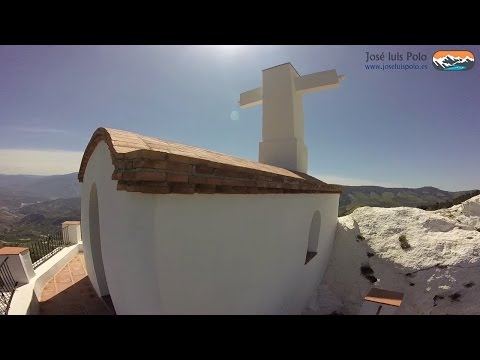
[[70, 292]]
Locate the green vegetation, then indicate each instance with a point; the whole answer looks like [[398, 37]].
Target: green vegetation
[[404, 242], [33, 206], [33, 222], [358, 196], [455, 296], [449, 203], [367, 272]]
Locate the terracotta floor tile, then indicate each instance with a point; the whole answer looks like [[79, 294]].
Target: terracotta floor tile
[[50, 287], [89, 296], [70, 292], [77, 278], [84, 283], [88, 293], [78, 272], [74, 309], [97, 310], [47, 295], [96, 301], [51, 283], [62, 287], [56, 300], [50, 310], [62, 275], [63, 280], [63, 272]]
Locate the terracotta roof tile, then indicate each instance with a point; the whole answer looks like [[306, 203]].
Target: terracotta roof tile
[[141, 162]]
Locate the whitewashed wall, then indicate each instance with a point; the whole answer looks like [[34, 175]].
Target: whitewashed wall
[[205, 254]]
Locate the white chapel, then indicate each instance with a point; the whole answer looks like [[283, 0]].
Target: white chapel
[[174, 229]]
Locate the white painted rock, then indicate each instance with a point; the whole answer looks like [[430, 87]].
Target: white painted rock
[[439, 273]]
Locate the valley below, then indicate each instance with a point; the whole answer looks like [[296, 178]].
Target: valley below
[[35, 206]]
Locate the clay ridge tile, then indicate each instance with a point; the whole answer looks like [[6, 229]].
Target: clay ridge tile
[[141, 162]]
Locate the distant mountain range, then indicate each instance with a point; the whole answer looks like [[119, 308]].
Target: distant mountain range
[[31, 206], [47, 187], [357, 196], [34, 205]]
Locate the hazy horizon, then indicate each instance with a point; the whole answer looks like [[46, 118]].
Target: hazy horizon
[[333, 180], [382, 128]]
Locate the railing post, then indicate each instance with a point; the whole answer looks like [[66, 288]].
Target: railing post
[[71, 232], [7, 287], [19, 263]]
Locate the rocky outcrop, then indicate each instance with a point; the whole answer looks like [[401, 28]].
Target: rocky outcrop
[[433, 257]]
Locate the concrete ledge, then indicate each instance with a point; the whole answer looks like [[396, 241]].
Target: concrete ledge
[[25, 298]]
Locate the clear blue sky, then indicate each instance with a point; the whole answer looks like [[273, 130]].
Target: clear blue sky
[[405, 128]]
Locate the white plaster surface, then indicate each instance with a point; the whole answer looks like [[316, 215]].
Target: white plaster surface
[[283, 119], [71, 232], [205, 254], [20, 266], [439, 274]]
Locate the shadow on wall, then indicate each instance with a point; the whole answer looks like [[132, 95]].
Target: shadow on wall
[[95, 242], [313, 236]]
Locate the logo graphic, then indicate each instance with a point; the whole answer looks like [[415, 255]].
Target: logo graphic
[[453, 60]]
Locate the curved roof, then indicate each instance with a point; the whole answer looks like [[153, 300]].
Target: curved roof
[[150, 165]]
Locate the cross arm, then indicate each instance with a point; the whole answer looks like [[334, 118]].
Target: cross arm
[[251, 98], [319, 81]]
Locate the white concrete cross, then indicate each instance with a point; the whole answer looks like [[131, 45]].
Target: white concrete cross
[[283, 130]]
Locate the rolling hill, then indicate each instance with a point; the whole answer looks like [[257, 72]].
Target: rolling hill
[[7, 220], [69, 208], [47, 187], [38, 204], [31, 206], [31, 221], [11, 199], [357, 196]]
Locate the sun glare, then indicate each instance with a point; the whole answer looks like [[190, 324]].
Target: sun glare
[[223, 51], [229, 48]]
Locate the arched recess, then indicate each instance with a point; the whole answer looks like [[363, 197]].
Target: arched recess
[[313, 236], [95, 243]]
